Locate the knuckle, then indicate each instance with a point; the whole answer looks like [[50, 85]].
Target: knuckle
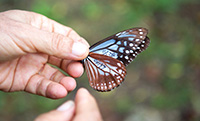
[[59, 44], [69, 30], [56, 42]]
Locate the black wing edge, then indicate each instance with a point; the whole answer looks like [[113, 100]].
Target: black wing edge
[[113, 36]]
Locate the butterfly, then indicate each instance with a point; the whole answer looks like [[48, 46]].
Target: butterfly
[[107, 59]]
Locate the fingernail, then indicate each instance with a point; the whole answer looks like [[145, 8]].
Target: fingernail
[[79, 49], [66, 106]]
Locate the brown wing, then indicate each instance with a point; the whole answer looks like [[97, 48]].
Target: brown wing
[[105, 73]]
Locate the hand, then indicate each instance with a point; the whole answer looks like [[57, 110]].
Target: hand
[[84, 109], [28, 42]]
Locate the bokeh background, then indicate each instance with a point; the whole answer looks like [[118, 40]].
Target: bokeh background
[[163, 82]]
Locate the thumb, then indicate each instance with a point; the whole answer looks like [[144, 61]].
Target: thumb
[[20, 38], [86, 107], [54, 43], [63, 113], [61, 46]]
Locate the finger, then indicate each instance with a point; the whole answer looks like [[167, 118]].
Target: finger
[[55, 61], [63, 113], [41, 86], [55, 75], [69, 83], [86, 107], [73, 68], [51, 73]]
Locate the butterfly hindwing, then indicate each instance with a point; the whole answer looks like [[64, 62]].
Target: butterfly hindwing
[[105, 73]]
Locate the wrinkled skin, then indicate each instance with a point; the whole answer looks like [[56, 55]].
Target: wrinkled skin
[[28, 42]]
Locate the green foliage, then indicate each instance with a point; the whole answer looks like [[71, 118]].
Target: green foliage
[[123, 106], [174, 96], [43, 7], [91, 10]]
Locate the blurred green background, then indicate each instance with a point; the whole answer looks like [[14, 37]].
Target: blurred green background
[[162, 84]]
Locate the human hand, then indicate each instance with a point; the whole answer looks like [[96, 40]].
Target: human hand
[[84, 109], [28, 42]]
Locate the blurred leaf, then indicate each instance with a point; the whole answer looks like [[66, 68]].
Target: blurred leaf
[[42, 6], [175, 99], [123, 104], [175, 70], [92, 10]]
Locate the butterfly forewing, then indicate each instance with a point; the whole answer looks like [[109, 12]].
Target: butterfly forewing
[[124, 46], [105, 73]]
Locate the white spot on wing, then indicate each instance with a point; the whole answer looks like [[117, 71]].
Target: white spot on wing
[[131, 51], [118, 34], [119, 64], [120, 71], [131, 44], [126, 57]]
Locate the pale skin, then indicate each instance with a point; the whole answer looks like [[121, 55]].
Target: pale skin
[[84, 109], [28, 42]]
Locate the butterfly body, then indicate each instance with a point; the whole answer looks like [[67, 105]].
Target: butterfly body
[[105, 64]]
